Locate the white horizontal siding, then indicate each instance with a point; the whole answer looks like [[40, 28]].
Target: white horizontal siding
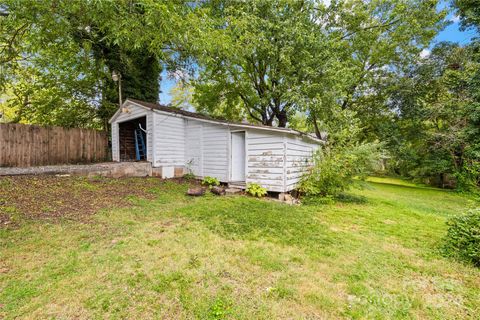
[[215, 151], [275, 160], [193, 147], [265, 159], [150, 137], [299, 153], [169, 140]]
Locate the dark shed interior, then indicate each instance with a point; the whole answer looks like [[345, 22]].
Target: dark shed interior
[[127, 138]]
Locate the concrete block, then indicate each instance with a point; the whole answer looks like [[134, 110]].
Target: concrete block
[[168, 172], [233, 190], [110, 169], [157, 172], [178, 172]]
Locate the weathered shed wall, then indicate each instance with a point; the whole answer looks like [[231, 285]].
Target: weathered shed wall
[[207, 149], [265, 159], [134, 112], [194, 147], [274, 159], [215, 151], [169, 140], [298, 155]]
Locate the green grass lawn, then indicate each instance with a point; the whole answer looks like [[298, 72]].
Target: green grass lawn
[[374, 255]]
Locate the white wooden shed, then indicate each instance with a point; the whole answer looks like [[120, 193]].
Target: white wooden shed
[[179, 141]]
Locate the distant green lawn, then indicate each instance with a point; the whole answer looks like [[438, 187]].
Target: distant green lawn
[[374, 255]]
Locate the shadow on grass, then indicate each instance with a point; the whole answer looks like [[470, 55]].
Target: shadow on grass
[[351, 198], [341, 198], [416, 187], [253, 219]]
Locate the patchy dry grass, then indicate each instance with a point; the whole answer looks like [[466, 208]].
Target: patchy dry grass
[[169, 256], [48, 197]]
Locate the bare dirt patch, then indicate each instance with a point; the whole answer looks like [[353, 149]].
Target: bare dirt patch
[[71, 197]]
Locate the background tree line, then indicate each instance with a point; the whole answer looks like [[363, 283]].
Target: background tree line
[[350, 70]]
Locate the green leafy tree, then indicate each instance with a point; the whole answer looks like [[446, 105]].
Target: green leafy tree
[[182, 95], [252, 57], [82, 42], [376, 40], [275, 58], [435, 135], [469, 11]]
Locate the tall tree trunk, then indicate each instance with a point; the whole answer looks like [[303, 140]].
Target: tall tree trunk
[[140, 72], [282, 118], [315, 125], [268, 121]]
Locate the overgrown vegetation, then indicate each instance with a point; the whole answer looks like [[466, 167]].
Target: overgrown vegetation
[[337, 169], [343, 161], [463, 237], [175, 257], [189, 176], [210, 181], [256, 190]]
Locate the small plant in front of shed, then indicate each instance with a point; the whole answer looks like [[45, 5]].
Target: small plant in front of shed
[[256, 190], [189, 175], [210, 181]]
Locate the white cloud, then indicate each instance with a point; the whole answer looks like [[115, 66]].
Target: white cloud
[[326, 3], [455, 19], [425, 53]]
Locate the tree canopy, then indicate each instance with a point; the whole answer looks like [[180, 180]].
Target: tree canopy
[[469, 11], [435, 133], [271, 59], [57, 56], [349, 70]]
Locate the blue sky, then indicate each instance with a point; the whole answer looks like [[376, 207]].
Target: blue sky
[[165, 86], [450, 33]]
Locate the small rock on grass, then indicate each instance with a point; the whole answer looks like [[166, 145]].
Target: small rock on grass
[[197, 191], [288, 198], [220, 191]]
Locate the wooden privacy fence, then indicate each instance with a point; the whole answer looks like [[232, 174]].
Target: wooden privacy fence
[[26, 145]]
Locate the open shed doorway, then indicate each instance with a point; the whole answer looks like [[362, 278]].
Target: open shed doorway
[[130, 135]]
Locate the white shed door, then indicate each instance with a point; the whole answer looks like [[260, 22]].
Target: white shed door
[[238, 156]]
